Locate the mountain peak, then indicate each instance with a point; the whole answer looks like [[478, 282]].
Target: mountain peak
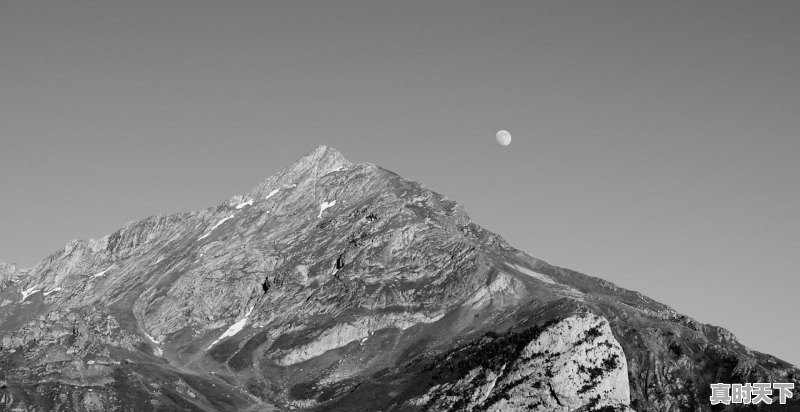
[[322, 151], [323, 158], [318, 162]]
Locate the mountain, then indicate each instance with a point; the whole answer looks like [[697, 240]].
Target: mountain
[[343, 287]]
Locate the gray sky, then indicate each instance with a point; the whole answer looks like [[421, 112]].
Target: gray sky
[[656, 144]]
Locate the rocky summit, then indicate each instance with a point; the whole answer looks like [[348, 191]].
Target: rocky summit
[[343, 287]]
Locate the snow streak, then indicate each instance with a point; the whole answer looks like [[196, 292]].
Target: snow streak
[[243, 204], [98, 274], [30, 291], [233, 329], [51, 291], [324, 206], [215, 226]]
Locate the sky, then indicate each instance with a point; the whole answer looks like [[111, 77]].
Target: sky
[[656, 144]]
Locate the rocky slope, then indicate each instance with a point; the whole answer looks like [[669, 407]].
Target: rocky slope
[[10, 274], [341, 286]]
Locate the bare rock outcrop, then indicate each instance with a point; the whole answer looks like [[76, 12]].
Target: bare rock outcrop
[[574, 364]]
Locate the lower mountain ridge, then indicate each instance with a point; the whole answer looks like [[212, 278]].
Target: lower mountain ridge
[[342, 287]]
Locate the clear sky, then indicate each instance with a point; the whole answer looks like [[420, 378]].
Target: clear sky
[[656, 144]]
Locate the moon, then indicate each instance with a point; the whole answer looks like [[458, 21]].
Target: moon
[[503, 137]]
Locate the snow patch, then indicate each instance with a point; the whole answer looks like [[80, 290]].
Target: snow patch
[[98, 274], [566, 289], [51, 291], [535, 275], [272, 193], [233, 329], [243, 204], [324, 206], [215, 226], [27, 292], [151, 338], [337, 169]]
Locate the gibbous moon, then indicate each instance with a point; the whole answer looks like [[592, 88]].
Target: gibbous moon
[[503, 137]]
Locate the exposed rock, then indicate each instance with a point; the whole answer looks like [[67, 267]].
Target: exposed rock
[[10, 274], [391, 297], [341, 334], [575, 364]]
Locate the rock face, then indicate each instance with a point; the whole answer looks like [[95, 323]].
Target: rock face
[[575, 363], [341, 286], [9, 274]]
